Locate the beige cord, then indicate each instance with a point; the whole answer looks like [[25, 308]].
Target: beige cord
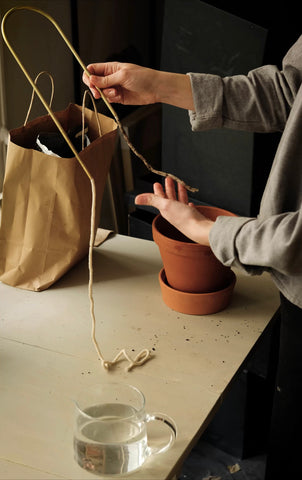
[[142, 356], [131, 146], [139, 155]]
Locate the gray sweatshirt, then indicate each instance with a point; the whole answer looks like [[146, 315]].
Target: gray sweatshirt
[[265, 100]]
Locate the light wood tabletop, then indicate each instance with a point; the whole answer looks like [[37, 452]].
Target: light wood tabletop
[[47, 356]]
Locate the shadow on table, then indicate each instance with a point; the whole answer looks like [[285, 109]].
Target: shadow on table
[[108, 266]]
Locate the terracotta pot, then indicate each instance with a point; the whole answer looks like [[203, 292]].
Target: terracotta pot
[[189, 266], [197, 303]]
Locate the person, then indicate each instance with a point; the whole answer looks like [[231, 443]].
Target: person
[[267, 99]]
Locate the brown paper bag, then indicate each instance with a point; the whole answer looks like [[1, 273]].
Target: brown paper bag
[[46, 209]]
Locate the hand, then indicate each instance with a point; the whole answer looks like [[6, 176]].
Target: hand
[[183, 215], [131, 84], [124, 83]]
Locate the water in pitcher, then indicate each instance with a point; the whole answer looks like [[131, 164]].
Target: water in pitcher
[[111, 441]]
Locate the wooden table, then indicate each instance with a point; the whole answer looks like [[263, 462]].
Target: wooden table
[[47, 356]]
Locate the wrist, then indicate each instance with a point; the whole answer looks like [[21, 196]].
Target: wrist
[[204, 227], [174, 89]]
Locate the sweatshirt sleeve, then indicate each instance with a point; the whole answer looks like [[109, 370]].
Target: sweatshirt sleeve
[[259, 101], [256, 245]]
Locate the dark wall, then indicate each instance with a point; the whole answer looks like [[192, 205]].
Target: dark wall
[[230, 168]]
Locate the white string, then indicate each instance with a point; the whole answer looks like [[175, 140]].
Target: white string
[[142, 356]]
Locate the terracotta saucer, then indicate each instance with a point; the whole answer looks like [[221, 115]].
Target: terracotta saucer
[[196, 303]]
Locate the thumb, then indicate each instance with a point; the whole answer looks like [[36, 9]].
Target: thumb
[[149, 199]]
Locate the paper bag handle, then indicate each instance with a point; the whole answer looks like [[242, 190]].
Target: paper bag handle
[[87, 92], [33, 93]]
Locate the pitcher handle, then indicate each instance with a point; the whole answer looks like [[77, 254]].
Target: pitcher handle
[[169, 422]]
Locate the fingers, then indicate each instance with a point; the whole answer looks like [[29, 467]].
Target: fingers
[[94, 92], [169, 192], [170, 188], [113, 95], [179, 212], [182, 193], [103, 76], [87, 80], [158, 190], [103, 69]]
